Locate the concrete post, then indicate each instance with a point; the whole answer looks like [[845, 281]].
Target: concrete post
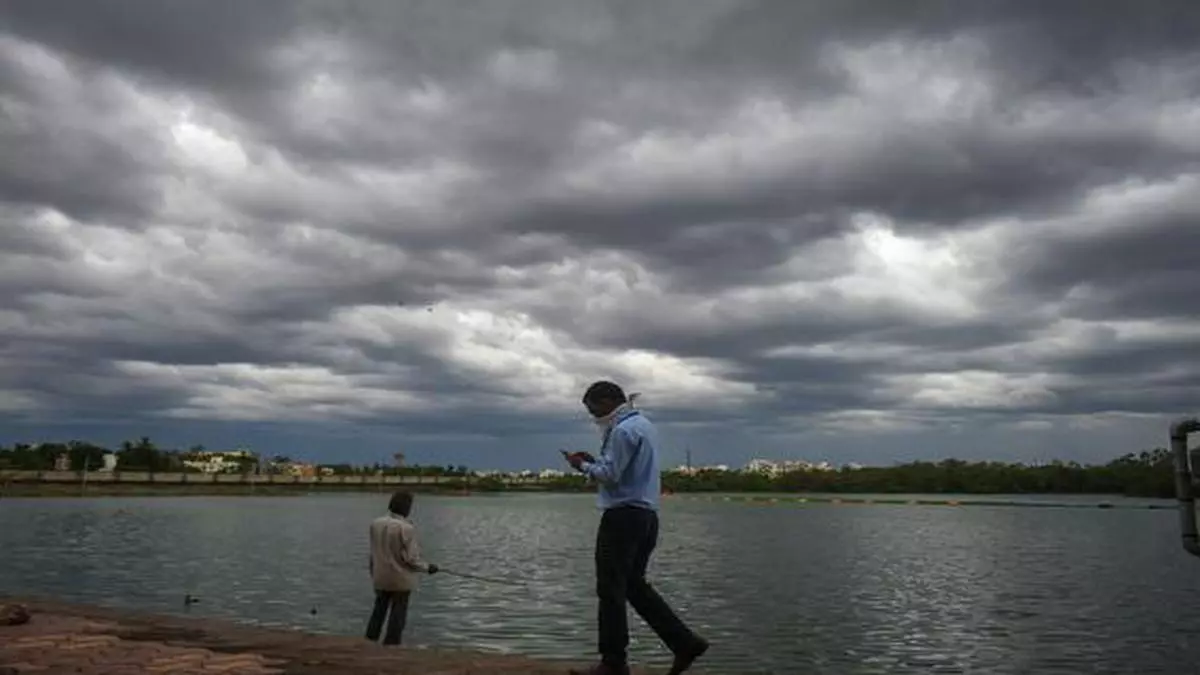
[[1185, 483]]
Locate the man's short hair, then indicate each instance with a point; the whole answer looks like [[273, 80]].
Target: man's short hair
[[401, 503], [604, 391]]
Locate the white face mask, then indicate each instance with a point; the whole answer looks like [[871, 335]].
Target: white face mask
[[605, 421]]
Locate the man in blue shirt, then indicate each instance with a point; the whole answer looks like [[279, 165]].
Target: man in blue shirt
[[628, 476]]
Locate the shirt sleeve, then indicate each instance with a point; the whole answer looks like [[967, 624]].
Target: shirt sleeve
[[608, 468], [409, 552]]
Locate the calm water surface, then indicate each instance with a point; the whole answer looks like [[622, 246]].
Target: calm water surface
[[777, 589]]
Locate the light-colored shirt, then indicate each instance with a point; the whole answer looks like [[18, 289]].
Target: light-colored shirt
[[627, 469], [395, 554]]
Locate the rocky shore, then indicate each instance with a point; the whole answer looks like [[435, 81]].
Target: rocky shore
[[47, 638]]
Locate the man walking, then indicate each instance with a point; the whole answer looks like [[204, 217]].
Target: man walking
[[628, 476], [394, 564]]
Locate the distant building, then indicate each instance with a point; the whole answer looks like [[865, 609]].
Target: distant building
[[300, 469], [775, 468], [762, 466], [62, 462], [110, 462], [693, 470], [221, 462]]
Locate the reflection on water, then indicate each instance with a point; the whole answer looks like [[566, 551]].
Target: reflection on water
[[777, 589]]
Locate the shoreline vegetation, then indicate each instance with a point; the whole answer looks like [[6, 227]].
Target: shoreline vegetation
[[142, 469], [15, 489]]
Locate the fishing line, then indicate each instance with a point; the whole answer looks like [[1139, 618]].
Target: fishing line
[[490, 580], [190, 599]]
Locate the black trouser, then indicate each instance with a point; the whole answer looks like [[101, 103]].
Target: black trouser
[[397, 602], [626, 539]]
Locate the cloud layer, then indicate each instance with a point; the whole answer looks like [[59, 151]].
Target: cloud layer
[[835, 230]]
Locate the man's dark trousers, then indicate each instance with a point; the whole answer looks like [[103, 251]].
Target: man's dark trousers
[[626, 538], [397, 603]]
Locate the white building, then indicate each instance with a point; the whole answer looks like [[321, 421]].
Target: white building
[[775, 468], [218, 462], [762, 466], [110, 462]]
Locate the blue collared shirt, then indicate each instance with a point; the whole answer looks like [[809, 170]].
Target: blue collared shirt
[[627, 468]]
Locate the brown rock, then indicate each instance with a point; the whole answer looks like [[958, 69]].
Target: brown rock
[[13, 615]]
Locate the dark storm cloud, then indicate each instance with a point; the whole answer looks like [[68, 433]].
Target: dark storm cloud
[[1071, 45], [315, 298], [430, 198], [814, 384], [74, 383], [1105, 353], [729, 338], [1160, 295], [21, 236], [220, 46], [55, 141], [943, 175], [1145, 269], [929, 177], [736, 330]]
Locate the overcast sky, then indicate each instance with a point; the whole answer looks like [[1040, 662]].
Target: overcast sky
[[843, 230]]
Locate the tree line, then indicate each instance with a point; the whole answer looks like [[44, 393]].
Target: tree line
[[144, 455], [1146, 474]]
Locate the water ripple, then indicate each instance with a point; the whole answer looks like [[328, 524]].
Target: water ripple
[[777, 588]]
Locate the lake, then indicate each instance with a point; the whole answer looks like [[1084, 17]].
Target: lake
[[782, 588]]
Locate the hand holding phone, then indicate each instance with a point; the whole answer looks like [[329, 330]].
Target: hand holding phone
[[575, 459]]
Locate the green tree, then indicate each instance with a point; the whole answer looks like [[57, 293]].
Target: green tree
[[142, 456], [85, 455]]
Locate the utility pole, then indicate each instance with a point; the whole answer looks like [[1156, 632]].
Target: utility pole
[[688, 463]]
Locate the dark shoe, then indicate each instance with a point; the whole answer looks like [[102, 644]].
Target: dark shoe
[[684, 659], [602, 669]]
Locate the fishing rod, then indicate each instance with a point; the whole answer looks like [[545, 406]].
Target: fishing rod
[[190, 599], [476, 577]]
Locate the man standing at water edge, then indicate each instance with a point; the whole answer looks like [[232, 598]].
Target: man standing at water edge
[[395, 560], [628, 477]]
